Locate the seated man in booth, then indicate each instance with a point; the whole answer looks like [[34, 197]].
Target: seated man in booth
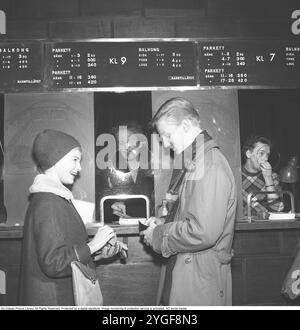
[[129, 172], [257, 175]]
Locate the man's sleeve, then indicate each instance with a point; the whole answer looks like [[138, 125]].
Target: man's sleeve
[[206, 210]]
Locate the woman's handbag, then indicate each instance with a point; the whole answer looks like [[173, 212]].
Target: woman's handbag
[[86, 285]]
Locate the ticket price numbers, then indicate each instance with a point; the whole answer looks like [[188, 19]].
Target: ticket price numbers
[[67, 65], [149, 56], [20, 65], [105, 64], [246, 63], [14, 57]]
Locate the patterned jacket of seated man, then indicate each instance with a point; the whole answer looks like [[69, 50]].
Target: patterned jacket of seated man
[[257, 175]]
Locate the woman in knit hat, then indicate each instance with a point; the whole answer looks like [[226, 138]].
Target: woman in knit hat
[[54, 233]]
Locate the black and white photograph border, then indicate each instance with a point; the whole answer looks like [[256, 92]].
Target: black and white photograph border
[[228, 70]]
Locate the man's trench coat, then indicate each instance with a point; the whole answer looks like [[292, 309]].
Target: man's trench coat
[[201, 235]]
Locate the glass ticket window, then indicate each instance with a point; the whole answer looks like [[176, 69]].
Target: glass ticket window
[[124, 209]]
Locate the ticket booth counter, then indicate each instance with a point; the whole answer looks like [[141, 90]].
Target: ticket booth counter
[[263, 254]]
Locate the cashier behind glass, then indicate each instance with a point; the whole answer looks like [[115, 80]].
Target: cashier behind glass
[[129, 172], [257, 175]]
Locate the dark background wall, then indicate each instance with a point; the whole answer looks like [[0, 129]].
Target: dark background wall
[[148, 18]]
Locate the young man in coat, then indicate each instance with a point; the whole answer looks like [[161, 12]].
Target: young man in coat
[[198, 241]]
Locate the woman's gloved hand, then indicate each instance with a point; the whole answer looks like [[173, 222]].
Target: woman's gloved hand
[[112, 248], [104, 234]]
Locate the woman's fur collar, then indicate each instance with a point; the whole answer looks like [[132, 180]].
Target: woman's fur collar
[[43, 183]]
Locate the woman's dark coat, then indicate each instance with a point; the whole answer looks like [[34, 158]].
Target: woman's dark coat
[[52, 228]]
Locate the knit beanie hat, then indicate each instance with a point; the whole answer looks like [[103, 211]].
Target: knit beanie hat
[[50, 146]]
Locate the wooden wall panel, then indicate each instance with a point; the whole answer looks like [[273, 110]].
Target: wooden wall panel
[[266, 28], [84, 28], [206, 27], [27, 29], [130, 284], [138, 251], [256, 243], [265, 276], [10, 258], [289, 241], [236, 8], [12, 285], [171, 13], [109, 7], [144, 28], [10, 251], [177, 4], [41, 9], [238, 285]]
